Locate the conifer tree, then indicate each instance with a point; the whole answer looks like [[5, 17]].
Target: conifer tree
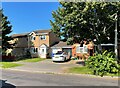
[[6, 29]]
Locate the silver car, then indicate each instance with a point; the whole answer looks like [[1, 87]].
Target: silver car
[[60, 56]]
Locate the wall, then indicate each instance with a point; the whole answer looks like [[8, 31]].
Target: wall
[[37, 42], [21, 42], [20, 46]]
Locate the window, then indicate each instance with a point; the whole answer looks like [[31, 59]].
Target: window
[[42, 37], [42, 50], [34, 50], [78, 49], [81, 49], [85, 48], [33, 38]]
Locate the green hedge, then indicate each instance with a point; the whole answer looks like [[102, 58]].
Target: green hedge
[[102, 64]]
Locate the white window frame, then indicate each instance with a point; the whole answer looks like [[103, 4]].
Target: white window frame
[[42, 36], [78, 49], [32, 38], [84, 50], [81, 49], [32, 50]]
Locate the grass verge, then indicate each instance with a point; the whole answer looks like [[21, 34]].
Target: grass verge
[[33, 60], [79, 70], [9, 64], [85, 70]]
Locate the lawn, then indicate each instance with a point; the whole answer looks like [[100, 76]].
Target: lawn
[[8, 64], [79, 70], [33, 60], [84, 70]]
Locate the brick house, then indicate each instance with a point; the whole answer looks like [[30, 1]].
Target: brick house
[[21, 45], [41, 40], [38, 42]]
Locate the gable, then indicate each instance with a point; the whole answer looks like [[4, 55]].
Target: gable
[[43, 46], [32, 33]]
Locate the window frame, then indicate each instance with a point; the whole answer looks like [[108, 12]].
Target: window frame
[[42, 36], [81, 49], [33, 38], [34, 50]]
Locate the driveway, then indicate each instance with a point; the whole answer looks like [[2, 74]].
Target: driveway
[[46, 66]]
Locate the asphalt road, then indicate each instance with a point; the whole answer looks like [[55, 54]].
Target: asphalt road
[[20, 78]]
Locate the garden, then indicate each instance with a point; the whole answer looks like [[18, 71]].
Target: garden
[[10, 64], [103, 64]]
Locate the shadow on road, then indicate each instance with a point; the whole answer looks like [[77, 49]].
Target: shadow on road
[[3, 84]]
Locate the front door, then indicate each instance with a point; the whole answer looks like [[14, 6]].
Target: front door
[[43, 51]]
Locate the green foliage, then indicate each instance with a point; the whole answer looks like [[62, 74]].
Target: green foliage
[[90, 20], [6, 29], [103, 64]]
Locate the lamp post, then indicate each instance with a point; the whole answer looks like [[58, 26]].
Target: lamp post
[[116, 53]]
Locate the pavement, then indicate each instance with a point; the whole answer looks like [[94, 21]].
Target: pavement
[[50, 67]]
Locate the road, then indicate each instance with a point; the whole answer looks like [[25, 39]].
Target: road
[[20, 78]]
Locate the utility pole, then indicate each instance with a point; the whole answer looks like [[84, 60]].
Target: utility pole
[[116, 53]]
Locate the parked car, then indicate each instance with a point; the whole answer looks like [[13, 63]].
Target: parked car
[[61, 56]]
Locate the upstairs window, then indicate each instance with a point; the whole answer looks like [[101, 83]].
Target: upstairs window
[[33, 38], [43, 37]]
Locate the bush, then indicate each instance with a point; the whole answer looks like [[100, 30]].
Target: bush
[[103, 64]]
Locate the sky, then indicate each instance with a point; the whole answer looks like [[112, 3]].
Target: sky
[[28, 16]]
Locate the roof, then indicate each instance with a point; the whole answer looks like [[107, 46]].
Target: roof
[[61, 44], [42, 31], [25, 34], [19, 35]]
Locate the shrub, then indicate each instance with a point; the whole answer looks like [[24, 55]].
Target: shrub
[[102, 64]]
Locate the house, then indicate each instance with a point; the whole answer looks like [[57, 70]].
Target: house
[[82, 50], [37, 42], [21, 45], [62, 46], [40, 42]]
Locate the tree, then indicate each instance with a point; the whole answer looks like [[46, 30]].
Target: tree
[[90, 20], [6, 29]]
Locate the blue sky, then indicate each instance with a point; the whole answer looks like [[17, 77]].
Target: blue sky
[[29, 16]]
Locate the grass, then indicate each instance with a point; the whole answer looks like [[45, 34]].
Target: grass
[[33, 60], [12, 64], [9, 64], [85, 70], [80, 70]]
